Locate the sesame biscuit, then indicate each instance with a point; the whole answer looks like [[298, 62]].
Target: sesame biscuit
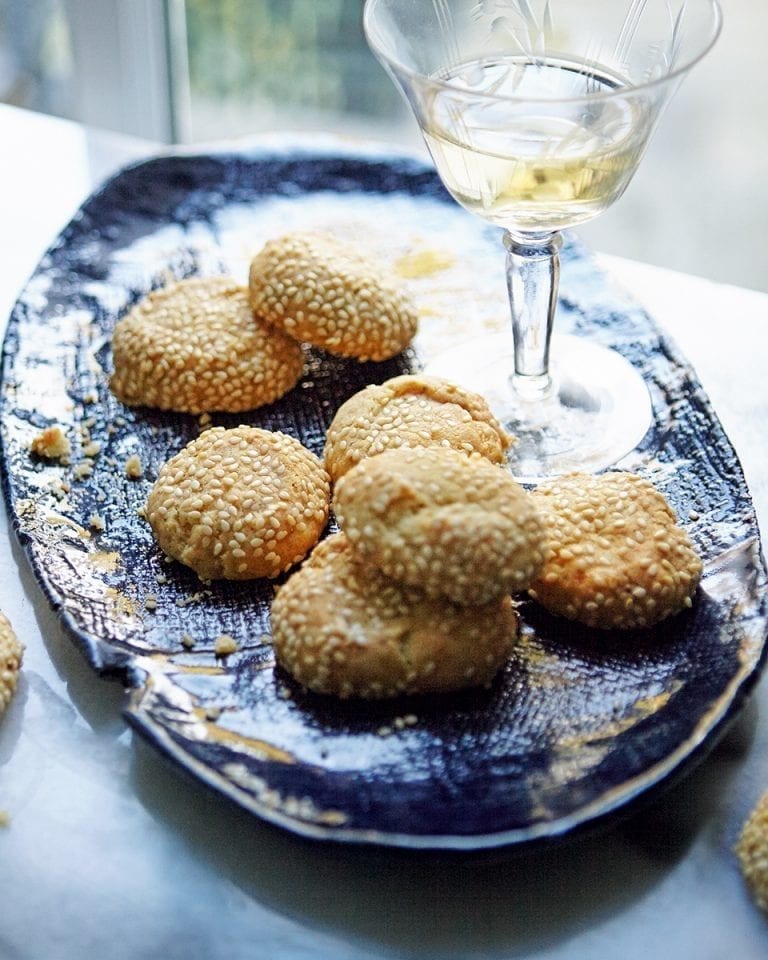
[[195, 346], [451, 524], [11, 652], [239, 504], [411, 411], [321, 291], [342, 628], [618, 558], [752, 851]]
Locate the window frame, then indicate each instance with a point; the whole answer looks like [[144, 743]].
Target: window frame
[[129, 65]]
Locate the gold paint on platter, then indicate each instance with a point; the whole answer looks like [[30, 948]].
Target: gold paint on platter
[[544, 670], [198, 669], [105, 561], [296, 808], [59, 520], [423, 263], [576, 755], [263, 749]]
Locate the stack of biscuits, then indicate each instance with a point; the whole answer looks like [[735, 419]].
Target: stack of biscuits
[[413, 594]]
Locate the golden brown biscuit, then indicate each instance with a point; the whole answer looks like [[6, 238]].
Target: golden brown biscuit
[[321, 291], [412, 411], [11, 653], [451, 524], [341, 628], [239, 503], [752, 851], [195, 346], [618, 558]]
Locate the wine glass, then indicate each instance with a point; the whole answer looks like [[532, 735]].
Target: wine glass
[[536, 114]]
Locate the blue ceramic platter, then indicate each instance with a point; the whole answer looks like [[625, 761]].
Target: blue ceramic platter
[[579, 725]]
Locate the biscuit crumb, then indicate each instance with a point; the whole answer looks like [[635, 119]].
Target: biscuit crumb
[[52, 444], [224, 645], [150, 602], [95, 522], [5, 820], [92, 449], [408, 720], [134, 469], [83, 470], [60, 489], [187, 641]]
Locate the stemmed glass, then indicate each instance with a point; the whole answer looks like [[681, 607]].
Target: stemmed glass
[[536, 114]]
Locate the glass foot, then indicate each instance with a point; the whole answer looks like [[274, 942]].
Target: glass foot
[[594, 410]]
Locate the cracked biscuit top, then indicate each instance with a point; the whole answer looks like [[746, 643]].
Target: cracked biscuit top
[[453, 525]]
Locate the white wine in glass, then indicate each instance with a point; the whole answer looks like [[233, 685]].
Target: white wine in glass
[[536, 114], [541, 171]]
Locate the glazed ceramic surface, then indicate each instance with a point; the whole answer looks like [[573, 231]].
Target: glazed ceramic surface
[[578, 727]]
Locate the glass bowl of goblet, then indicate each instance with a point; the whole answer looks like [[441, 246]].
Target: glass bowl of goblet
[[536, 114]]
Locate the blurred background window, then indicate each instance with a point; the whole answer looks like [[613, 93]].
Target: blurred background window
[[103, 62], [36, 56], [259, 65], [192, 70]]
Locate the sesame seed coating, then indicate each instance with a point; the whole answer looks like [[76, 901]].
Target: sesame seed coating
[[240, 503], [196, 346], [411, 411], [453, 525], [618, 558], [11, 652], [321, 291], [752, 851], [342, 628]]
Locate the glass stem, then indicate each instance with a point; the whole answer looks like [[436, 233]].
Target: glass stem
[[533, 273]]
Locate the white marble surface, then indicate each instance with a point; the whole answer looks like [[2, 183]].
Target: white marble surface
[[112, 853]]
